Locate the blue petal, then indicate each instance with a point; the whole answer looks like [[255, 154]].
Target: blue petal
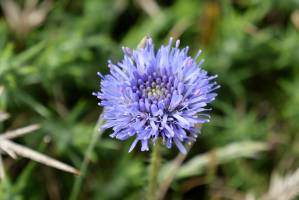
[[183, 122], [144, 145], [180, 146], [175, 101], [133, 144]]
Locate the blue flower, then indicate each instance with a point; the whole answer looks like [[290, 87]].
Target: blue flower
[[150, 95]]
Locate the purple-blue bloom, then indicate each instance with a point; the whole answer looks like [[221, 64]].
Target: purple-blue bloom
[[156, 94]]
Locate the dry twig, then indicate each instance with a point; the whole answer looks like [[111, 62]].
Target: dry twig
[[286, 188], [14, 150], [33, 155], [23, 20]]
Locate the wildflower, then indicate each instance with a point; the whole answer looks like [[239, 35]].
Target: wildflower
[[156, 94]]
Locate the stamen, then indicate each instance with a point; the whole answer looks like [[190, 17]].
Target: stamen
[[155, 88]]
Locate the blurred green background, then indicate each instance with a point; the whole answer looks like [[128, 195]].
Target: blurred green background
[[50, 52]]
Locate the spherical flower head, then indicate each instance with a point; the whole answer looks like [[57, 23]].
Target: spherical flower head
[[151, 95]]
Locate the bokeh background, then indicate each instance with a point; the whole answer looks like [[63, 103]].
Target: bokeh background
[[50, 52]]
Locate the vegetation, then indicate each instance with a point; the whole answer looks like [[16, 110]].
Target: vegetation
[[51, 51]]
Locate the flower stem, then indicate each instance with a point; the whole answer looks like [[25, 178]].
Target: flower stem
[[153, 172], [83, 169]]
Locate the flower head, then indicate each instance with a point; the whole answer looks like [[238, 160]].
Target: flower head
[[156, 94]]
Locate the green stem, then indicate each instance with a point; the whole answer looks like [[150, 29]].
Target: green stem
[[83, 169], [153, 172]]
